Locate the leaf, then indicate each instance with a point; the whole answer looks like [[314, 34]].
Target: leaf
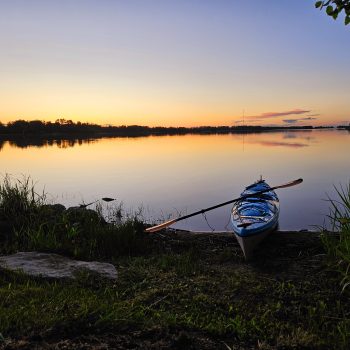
[[335, 14], [345, 285], [329, 10], [107, 199], [347, 20], [318, 4], [344, 221]]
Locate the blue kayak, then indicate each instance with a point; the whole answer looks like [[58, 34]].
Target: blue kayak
[[253, 218]]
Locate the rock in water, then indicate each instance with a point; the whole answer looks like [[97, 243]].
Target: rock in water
[[56, 266]]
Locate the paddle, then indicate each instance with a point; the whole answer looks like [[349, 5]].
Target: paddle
[[170, 222], [105, 199]]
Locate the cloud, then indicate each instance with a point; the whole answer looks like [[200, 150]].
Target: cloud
[[241, 121], [314, 115], [293, 121], [278, 114], [308, 118]]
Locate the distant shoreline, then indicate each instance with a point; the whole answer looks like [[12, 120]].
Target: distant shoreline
[[70, 135], [67, 129]]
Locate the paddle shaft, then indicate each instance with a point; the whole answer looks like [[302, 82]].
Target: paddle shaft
[[168, 223], [223, 204]]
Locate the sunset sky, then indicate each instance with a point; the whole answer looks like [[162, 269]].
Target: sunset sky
[[173, 62]]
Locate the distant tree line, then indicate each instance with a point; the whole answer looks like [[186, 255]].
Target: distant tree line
[[22, 127], [63, 127]]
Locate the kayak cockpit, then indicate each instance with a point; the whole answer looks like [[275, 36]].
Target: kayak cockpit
[[257, 213]]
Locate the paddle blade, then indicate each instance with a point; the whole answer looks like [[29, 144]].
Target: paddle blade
[[107, 199], [289, 184], [161, 226]]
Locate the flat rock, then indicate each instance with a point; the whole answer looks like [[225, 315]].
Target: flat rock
[[55, 266]]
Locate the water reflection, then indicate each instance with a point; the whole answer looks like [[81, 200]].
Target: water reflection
[[280, 144], [40, 142], [301, 138], [172, 174], [291, 135]]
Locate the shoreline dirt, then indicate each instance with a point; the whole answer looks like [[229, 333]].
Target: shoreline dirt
[[284, 256]]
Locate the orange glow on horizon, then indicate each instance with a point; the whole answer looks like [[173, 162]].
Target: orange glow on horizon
[[129, 107]]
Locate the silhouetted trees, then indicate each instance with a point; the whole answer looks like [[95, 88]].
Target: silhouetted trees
[[2, 128], [63, 128], [38, 127]]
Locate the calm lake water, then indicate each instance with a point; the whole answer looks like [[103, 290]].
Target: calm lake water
[[167, 175]]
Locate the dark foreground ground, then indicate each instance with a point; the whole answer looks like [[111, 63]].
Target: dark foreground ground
[[193, 291]]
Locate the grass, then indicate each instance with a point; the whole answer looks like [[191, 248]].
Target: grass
[[225, 302], [338, 246]]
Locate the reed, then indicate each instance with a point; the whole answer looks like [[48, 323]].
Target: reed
[[19, 202], [338, 245]]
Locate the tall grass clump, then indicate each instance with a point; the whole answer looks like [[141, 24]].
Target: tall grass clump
[[28, 222], [19, 202], [337, 240]]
